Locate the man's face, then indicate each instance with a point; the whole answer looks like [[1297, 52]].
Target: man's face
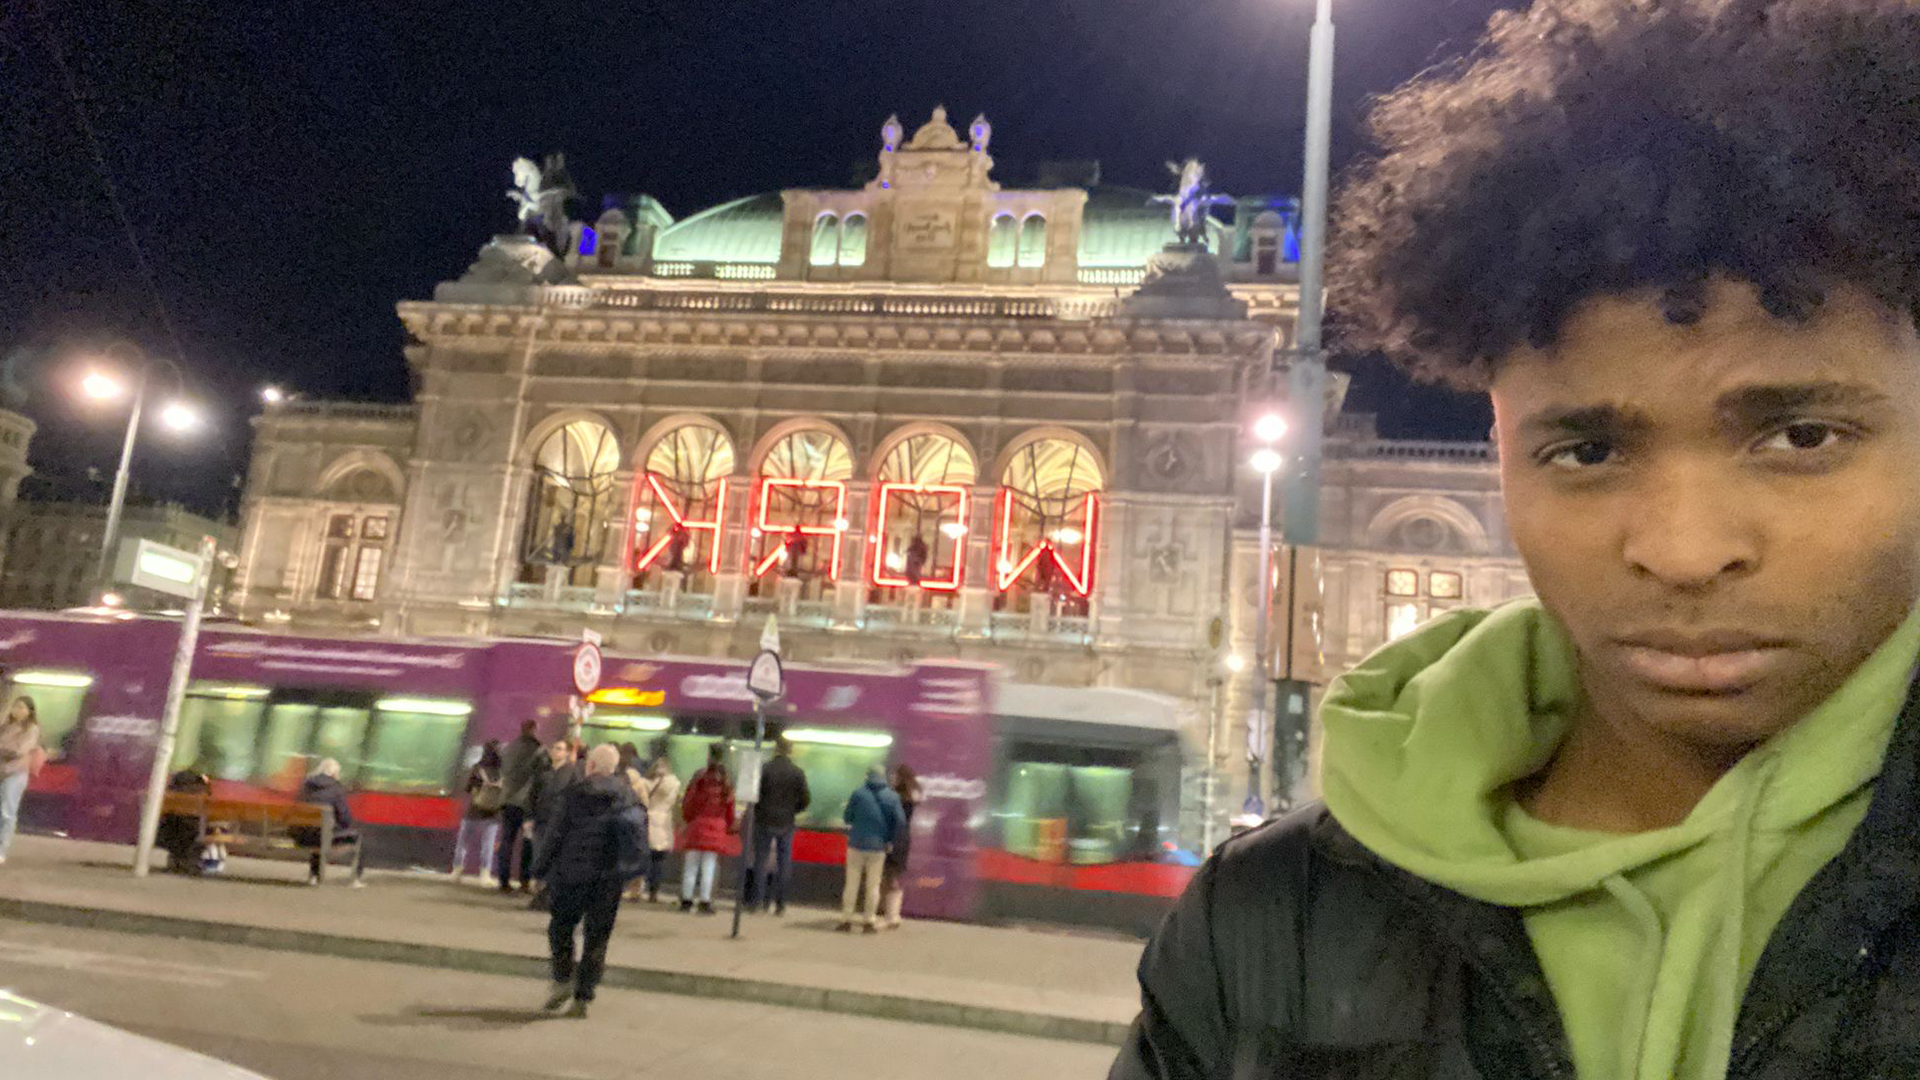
[[1725, 516], [560, 754]]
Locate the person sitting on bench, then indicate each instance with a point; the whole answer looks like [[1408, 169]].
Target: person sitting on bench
[[323, 788]]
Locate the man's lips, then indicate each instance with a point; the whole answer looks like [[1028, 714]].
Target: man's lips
[[1701, 663]]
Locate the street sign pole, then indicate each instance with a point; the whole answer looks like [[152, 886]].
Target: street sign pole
[[170, 719], [767, 681]]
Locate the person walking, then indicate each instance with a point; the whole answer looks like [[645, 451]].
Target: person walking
[[564, 770], [783, 798], [873, 818], [19, 756], [485, 795], [521, 762], [660, 792], [708, 813], [323, 788], [893, 887], [594, 843]]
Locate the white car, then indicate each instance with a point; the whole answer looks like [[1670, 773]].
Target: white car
[[38, 1041]]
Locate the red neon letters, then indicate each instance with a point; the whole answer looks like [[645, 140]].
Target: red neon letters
[[1006, 571], [954, 527], [651, 482], [776, 531]]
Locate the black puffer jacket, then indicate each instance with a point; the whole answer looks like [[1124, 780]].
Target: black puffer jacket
[[1297, 953], [582, 840]]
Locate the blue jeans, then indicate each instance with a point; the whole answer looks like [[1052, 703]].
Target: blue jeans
[[701, 865], [11, 790], [777, 843]]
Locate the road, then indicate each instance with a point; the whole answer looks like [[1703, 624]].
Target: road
[[295, 1017]]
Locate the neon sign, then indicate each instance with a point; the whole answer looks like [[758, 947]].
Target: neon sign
[[953, 527], [1007, 571], [682, 524], [766, 528]]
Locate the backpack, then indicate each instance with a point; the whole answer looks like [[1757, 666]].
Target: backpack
[[630, 841], [491, 795]]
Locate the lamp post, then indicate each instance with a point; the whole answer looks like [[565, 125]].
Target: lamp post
[[1307, 376], [1266, 461], [176, 414]]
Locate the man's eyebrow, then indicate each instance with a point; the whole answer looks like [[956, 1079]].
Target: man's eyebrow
[[1751, 402], [1582, 420]]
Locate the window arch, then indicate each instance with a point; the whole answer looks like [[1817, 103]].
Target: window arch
[[800, 506], [679, 505], [826, 240], [1003, 237], [570, 502], [853, 240], [1033, 241], [921, 513], [1046, 525]]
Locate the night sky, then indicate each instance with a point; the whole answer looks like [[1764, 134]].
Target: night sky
[[294, 169]]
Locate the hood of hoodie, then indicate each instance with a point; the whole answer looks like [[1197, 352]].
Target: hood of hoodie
[[1424, 740]]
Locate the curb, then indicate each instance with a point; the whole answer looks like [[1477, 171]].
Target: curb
[[623, 976]]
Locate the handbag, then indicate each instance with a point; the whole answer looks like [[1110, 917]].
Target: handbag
[[491, 795]]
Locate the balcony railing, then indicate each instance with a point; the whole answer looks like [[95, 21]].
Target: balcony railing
[[969, 307]]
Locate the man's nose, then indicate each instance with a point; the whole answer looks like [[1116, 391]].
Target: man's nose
[[1690, 526]]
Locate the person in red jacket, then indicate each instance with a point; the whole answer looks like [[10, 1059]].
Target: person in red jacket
[[707, 810]]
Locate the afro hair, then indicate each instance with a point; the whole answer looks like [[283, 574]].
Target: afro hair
[[1589, 147]]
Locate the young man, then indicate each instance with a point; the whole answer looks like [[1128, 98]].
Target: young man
[[1661, 822], [783, 798]]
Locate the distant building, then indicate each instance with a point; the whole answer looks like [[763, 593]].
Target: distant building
[[53, 549]]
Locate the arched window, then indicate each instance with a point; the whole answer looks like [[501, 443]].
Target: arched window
[[921, 515], [1003, 237], [853, 240], [570, 502], [679, 506], [1047, 526], [826, 240], [1033, 241], [799, 516]]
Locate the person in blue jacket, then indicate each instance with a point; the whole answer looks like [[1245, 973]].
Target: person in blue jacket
[[874, 819]]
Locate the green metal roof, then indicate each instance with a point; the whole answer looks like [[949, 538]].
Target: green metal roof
[[742, 231], [1123, 227]]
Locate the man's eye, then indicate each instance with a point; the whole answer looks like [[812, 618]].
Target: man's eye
[[1580, 455], [1802, 437]]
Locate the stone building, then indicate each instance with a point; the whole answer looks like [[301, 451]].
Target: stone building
[[930, 416], [53, 551]]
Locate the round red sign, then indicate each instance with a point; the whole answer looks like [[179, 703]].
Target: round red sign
[[586, 667]]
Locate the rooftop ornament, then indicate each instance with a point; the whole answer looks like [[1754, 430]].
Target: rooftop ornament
[[1193, 197]]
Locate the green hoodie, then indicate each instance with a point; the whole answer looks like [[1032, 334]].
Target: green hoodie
[[1648, 939]]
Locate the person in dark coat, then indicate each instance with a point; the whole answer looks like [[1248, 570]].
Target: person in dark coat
[[873, 817], [179, 834], [564, 770], [893, 873], [594, 843], [323, 788], [521, 762], [783, 798]]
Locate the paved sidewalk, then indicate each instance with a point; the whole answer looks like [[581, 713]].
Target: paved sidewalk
[[1058, 985]]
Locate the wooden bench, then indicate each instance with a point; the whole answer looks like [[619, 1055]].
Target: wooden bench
[[263, 830]]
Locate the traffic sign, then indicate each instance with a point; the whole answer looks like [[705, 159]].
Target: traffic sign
[[586, 667], [770, 635], [159, 567], [765, 677]]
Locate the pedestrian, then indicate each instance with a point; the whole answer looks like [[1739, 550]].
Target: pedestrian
[[1658, 822], [594, 843], [486, 793], [179, 834], [873, 818], [660, 793], [893, 875], [707, 811], [20, 755], [521, 762], [783, 798], [564, 770], [322, 787]]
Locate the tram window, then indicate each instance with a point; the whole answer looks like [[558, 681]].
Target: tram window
[[57, 697], [298, 734], [687, 754], [218, 730], [833, 772], [416, 743], [1068, 813]]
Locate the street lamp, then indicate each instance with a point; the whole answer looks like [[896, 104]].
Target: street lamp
[[1266, 461], [272, 395], [177, 415], [1307, 375]]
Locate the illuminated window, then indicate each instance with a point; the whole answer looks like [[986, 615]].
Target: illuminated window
[[853, 240], [366, 572], [1403, 583], [570, 502], [921, 515], [1401, 620], [1443, 586], [1046, 525], [826, 240], [679, 506], [1003, 238], [799, 517], [1033, 241]]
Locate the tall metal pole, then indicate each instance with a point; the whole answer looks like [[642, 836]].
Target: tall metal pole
[[1307, 377], [747, 852], [117, 503], [170, 719], [1262, 634]]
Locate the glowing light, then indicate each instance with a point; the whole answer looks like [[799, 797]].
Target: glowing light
[[1080, 580], [1236, 663], [896, 562], [633, 723], [867, 740], [63, 680], [112, 599], [651, 482], [886, 573], [424, 706], [954, 529], [272, 395], [1067, 535], [101, 386], [1270, 428], [628, 695], [179, 416], [1265, 460], [234, 693], [833, 531], [841, 524]]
